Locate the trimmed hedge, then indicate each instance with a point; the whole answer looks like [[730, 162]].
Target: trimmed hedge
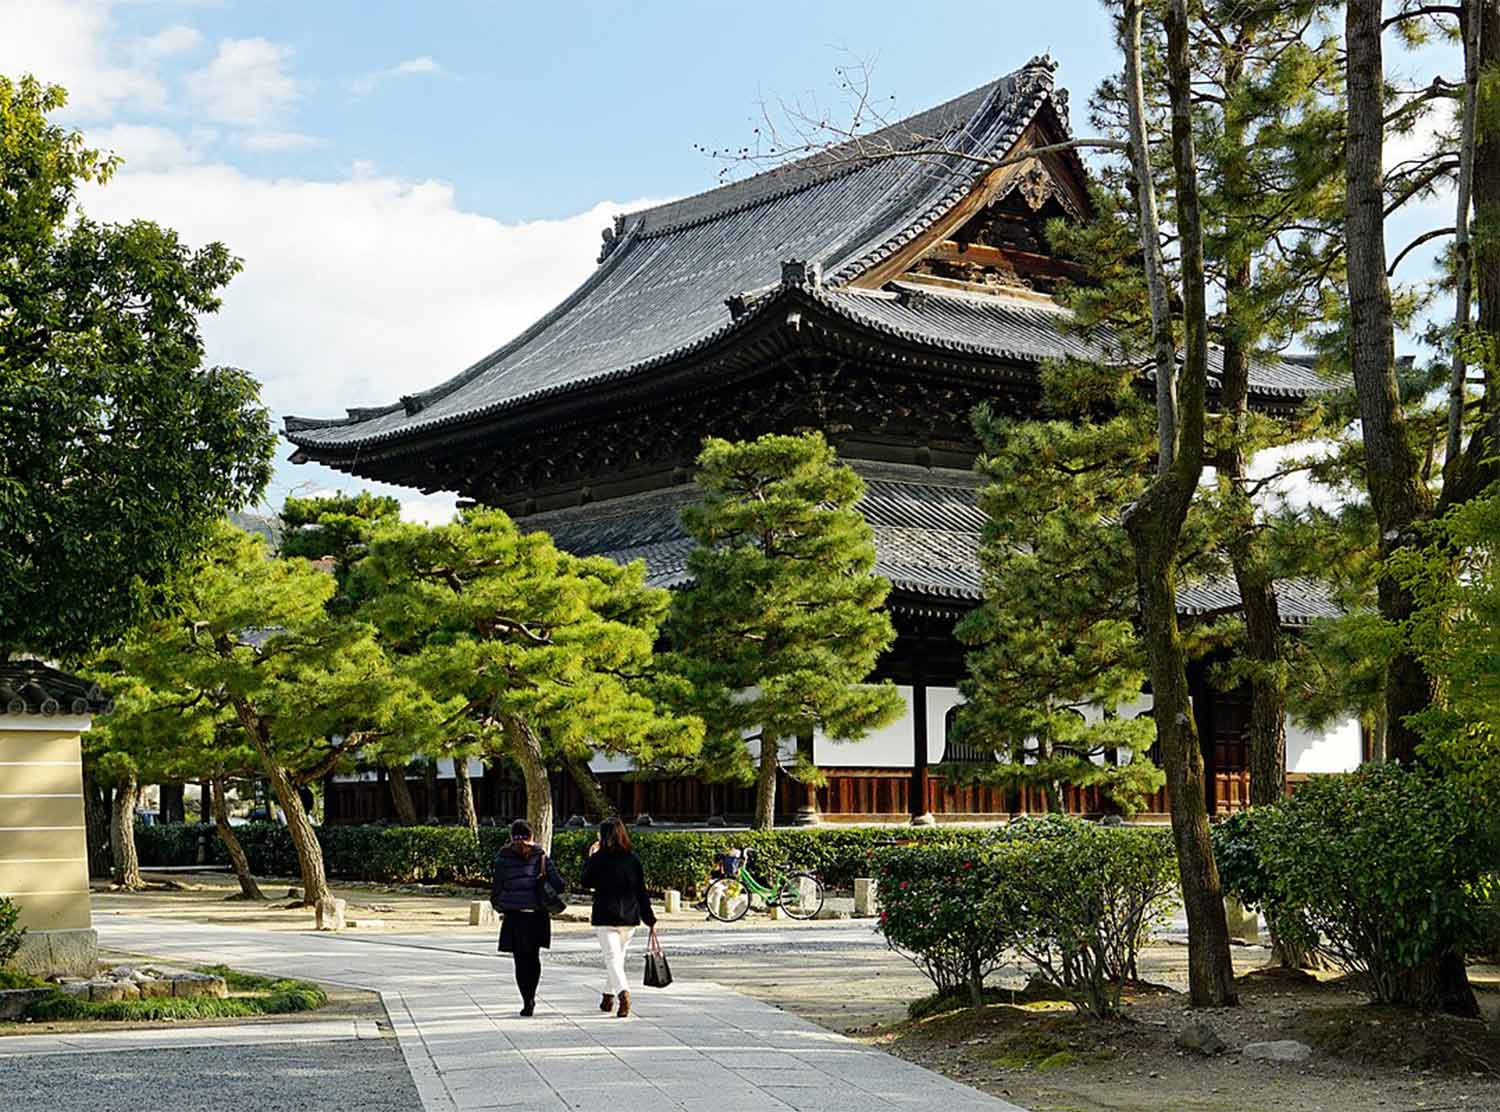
[[678, 859], [1074, 902]]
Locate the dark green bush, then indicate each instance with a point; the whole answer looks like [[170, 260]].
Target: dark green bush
[[678, 859], [1077, 901], [11, 931], [1086, 898], [1385, 870], [937, 910]]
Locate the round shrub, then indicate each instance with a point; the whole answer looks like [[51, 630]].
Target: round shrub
[[1385, 868]]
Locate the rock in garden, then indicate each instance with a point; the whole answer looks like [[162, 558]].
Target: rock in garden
[[199, 984], [1201, 1039], [154, 987], [1278, 1050], [106, 992], [331, 914]]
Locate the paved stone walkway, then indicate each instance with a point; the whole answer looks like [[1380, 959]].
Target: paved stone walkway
[[695, 1046]]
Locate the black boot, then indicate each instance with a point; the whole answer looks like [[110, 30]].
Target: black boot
[[607, 1002], [528, 1008]]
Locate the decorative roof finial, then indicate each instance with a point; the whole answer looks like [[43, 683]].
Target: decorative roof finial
[[801, 272], [612, 236], [1036, 75]]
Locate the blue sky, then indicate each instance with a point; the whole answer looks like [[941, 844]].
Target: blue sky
[[538, 110], [411, 184]]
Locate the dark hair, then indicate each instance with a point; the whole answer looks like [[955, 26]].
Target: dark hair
[[613, 837], [520, 831]]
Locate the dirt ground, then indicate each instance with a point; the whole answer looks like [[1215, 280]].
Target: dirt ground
[[1039, 1055], [1046, 1059]]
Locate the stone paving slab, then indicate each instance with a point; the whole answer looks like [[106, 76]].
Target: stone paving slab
[[696, 1046]]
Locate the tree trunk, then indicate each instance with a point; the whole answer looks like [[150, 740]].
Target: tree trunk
[[406, 809], [127, 873], [303, 834], [1251, 575], [1154, 525], [765, 785], [526, 747], [249, 890], [466, 811], [1392, 469], [96, 824], [1472, 19], [594, 796], [1164, 348]]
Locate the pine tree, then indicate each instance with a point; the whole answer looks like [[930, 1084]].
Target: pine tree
[[782, 623], [545, 655], [250, 644]]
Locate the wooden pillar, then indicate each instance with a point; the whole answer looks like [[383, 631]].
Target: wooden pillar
[[917, 804]]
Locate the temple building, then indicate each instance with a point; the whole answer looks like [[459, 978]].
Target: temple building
[[878, 299]]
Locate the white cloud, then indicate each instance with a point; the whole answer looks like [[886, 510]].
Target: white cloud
[[72, 43], [359, 290], [411, 67], [178, 39], [146, 147], [261, 141], [247, 84]]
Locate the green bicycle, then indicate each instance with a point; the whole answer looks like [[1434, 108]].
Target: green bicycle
[[798, 893]]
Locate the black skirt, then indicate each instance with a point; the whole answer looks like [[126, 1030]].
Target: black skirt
[[525, 932]]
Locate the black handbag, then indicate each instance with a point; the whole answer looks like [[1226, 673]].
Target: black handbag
[[549, 897], [658, 973]]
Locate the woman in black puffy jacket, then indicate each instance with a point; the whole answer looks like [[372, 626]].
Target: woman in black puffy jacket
[[614, 872], [526, 929]]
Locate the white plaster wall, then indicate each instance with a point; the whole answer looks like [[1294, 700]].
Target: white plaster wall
[[1337, 747], [610, 762], [940, 700], [890, 747]]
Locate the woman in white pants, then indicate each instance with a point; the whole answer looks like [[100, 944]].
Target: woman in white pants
[[614, 872]]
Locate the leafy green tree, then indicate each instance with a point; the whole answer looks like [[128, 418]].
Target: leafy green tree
[[252, 646], [339, 527], [177, 740], [1055, 651], [1455, 632], [782, 622], [545, 655], [119, 450]]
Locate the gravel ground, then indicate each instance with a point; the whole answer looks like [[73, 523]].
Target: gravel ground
[[368, 1075]]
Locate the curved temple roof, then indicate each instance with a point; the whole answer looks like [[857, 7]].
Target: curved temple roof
[[660, 291]]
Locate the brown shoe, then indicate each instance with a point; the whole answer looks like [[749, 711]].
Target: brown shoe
[[607, 1002], [624, 1006]]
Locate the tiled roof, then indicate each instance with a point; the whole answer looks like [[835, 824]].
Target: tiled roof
[[660, 293], [927, 527], [29, 687]]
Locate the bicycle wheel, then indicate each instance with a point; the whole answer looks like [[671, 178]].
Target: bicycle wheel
[[728, 900], [801, 895]]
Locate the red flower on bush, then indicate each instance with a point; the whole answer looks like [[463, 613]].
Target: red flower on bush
[[968, 864], [884, 915], [905, 884]]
